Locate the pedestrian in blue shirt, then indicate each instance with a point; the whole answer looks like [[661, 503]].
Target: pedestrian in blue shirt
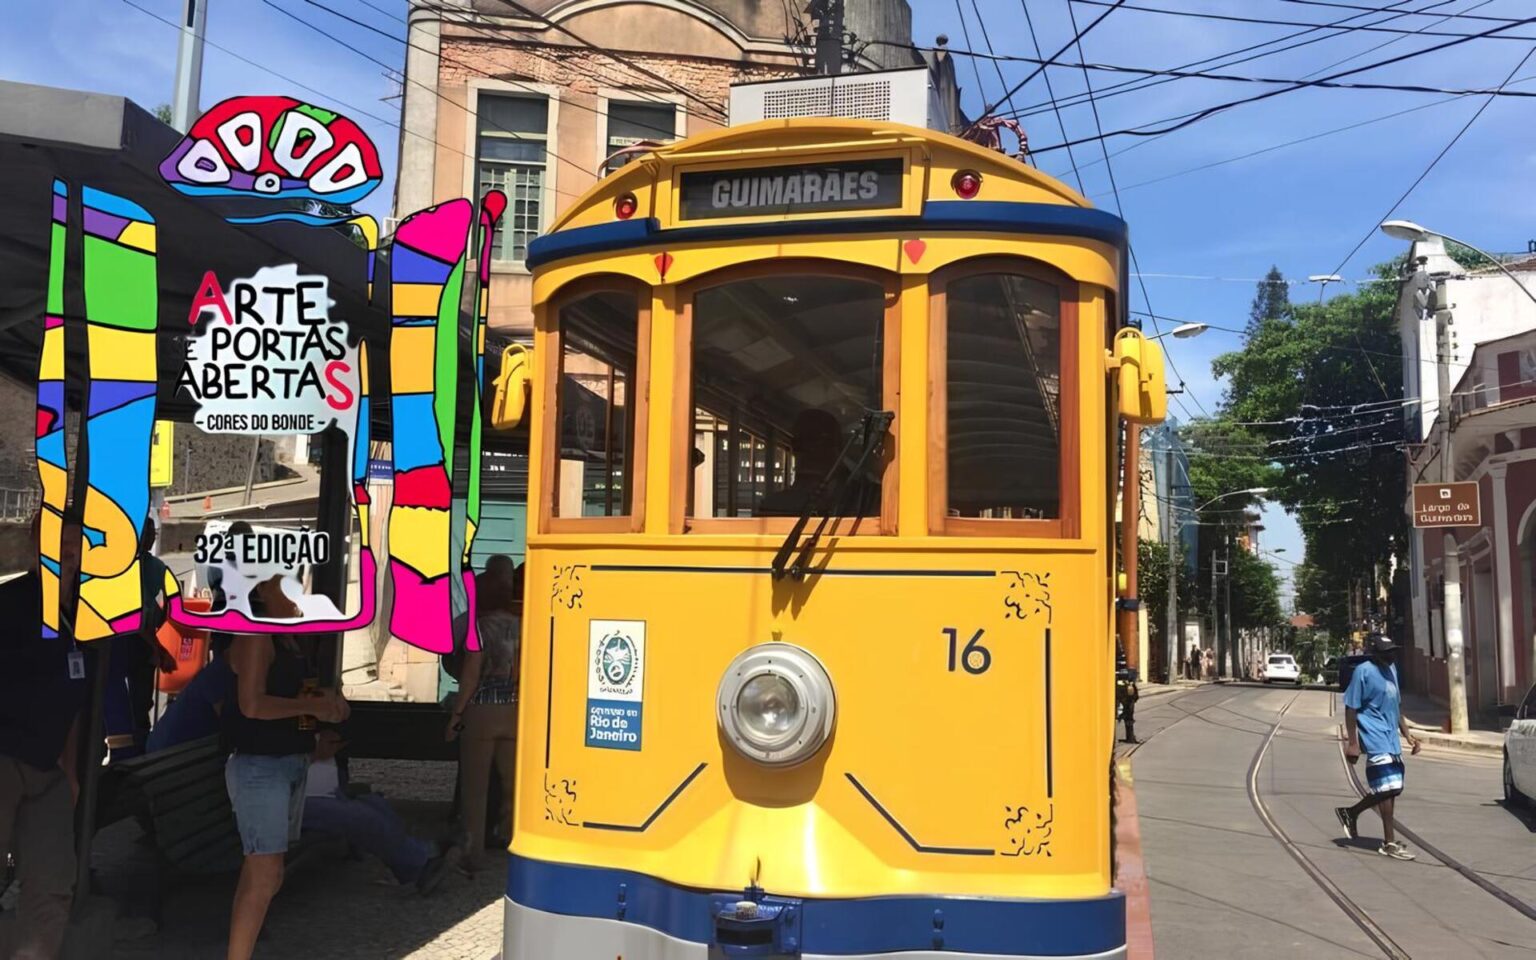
[[1373, 722]]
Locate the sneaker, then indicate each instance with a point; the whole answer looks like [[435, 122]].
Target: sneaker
[[1347, 818], [433, 872], [1396, 851]]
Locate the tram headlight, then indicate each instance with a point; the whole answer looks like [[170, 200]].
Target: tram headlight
[[776, 704]]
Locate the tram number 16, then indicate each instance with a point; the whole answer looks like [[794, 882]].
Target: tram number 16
[[975, 659]]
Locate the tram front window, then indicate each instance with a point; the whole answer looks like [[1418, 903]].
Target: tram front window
[[784, 369], [598, 340], [1003, 360]]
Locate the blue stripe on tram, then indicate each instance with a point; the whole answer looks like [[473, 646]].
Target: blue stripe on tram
[[1050, 219], [1061, 928]]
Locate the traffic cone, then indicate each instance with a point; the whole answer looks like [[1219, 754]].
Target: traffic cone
[[207, 503]]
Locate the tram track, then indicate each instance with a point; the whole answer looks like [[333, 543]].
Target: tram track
[[1357, 914], [1169, 701], [1334, 892], [1471, 875]]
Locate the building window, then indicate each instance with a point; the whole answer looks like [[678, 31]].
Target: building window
[[632, 123], [511, 156]]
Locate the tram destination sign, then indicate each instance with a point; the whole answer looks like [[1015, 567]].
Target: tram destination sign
[[797, 188], [1447, 504]]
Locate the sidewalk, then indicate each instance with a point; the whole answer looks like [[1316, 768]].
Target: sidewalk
[[1430, 722]]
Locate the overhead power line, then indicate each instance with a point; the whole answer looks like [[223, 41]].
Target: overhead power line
[[1253, 51], [1432, 164], [1355, 6], [1267, 21], [1227, 77], [670, 84], [322, 95], [1171, 124], [430, 89], [1300, 140], [664, 133], [1076, 39], [1050, 90]]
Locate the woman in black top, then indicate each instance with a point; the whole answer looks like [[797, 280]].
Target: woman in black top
[[272, 741]]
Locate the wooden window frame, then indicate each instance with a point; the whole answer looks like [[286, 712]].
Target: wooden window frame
[[640, 389], [683, 407], [1069, 524]]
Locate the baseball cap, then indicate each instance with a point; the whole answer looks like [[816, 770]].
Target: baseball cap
[[1380, 643]]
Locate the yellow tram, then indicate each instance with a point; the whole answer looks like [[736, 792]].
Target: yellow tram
[[818, 654]]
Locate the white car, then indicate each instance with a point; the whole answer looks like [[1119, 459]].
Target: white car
[[1282, 666], [1520, 752]]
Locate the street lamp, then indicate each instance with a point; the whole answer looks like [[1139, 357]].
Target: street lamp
[[1184, 331], [1322, 280], [1451, 608], [1170, 615], [1413, 233]]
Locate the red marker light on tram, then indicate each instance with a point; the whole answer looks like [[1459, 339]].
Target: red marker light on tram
[[967, 184], [625, 206]]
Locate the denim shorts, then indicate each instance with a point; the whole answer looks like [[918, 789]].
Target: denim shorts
[[268, 796]]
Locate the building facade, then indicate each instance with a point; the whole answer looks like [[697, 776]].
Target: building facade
[[1490, 326], [534, 97]]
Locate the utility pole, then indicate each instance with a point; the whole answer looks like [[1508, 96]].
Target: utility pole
[[1454, 661], [1171, 614], [189, 64], [1237, 670], [1221, 656], [829, 36]]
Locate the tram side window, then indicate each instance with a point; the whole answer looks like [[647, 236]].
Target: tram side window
[[598, 340], [784, 369], [1003, 358]]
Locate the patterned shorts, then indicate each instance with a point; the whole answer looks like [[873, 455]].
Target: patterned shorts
[[1384, 772]]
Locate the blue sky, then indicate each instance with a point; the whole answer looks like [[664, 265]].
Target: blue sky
[[1301, 208]]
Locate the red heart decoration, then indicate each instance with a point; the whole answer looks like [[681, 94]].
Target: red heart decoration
[[663, 264], [914, 249]]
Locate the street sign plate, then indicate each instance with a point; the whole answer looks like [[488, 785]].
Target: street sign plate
[[1447, 504]]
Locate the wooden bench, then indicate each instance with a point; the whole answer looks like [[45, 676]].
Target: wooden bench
[[179, 796]]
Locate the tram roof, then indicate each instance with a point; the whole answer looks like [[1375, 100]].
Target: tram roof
[[1019, 197]]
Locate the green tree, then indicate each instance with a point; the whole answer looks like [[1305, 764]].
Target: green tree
[[1255, 593], [1317, 386], [1272, 301], [1152, 584], [163, 113]]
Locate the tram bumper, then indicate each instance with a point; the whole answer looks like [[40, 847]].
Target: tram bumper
[[558, 911]]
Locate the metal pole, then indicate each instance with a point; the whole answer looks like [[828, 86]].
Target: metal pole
[[1237, 669], [1171, 614], [1455, 666], [1130, 519], [189, 64], [1216, 619]]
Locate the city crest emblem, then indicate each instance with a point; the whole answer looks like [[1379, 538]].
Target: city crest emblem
[[615, 684]]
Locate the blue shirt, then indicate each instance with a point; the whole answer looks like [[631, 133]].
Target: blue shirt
[[1373, 695], [195, 713]]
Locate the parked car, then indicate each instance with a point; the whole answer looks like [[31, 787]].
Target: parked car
[[1520, 752], [1282, 667], [1346, 668]]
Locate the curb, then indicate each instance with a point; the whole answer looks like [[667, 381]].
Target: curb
[[1434, 738], [1131, 874]]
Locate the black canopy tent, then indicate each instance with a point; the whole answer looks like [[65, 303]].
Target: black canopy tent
[[110, 143]]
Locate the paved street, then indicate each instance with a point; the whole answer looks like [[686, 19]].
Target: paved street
[[1223, 885]]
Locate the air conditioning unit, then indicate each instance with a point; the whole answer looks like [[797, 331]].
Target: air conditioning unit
[[904, 96]]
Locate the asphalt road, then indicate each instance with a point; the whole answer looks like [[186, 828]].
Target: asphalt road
[[1224, 885]]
